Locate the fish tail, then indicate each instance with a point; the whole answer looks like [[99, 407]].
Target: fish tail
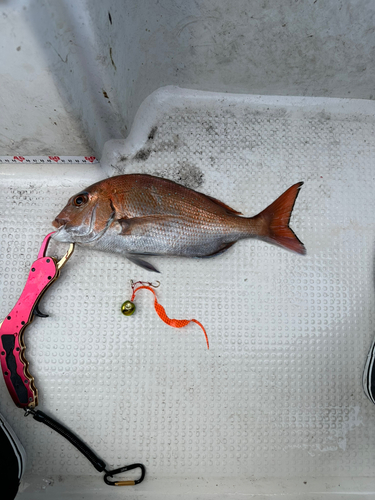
[[275, 221]]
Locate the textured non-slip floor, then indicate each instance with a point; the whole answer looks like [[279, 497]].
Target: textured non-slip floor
[[279, 392]]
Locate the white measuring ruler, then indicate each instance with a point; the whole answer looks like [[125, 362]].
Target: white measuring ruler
[[48, 159]]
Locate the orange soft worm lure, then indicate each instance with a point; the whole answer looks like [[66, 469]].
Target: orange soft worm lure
[[128, 308]]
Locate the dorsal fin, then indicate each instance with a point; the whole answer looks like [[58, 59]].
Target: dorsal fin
[[223, 205]]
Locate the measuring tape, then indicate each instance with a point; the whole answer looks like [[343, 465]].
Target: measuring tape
[[48, 159]]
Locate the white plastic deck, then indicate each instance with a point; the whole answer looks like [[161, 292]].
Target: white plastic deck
[[279, 393]]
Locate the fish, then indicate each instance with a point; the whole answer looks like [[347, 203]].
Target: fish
[[141, 215]]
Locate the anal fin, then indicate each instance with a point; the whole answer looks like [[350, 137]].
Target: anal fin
[[221, 250]]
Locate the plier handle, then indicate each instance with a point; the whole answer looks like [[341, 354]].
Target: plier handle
[[43, 272]]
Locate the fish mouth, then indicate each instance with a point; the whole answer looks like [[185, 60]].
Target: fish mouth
[[72, 234], [62, 235]]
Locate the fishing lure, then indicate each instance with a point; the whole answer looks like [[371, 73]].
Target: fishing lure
[[128, 307]]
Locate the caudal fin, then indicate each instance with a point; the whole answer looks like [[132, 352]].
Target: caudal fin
[[277, 217]]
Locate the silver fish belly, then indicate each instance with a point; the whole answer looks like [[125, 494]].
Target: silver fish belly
[[174, 236]]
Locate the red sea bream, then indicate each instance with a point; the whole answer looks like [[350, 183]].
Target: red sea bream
[[139, 215]]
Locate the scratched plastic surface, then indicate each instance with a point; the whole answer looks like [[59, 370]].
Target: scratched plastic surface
[[279, 392]]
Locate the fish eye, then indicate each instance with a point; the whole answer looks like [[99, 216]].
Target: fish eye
[[80, 199]]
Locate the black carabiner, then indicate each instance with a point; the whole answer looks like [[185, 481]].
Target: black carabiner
[[112, 473]]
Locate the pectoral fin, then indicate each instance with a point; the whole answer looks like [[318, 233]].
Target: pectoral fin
[[140, 225], [141, 263]]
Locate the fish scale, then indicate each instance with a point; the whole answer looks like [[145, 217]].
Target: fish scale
[[177, 237]]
